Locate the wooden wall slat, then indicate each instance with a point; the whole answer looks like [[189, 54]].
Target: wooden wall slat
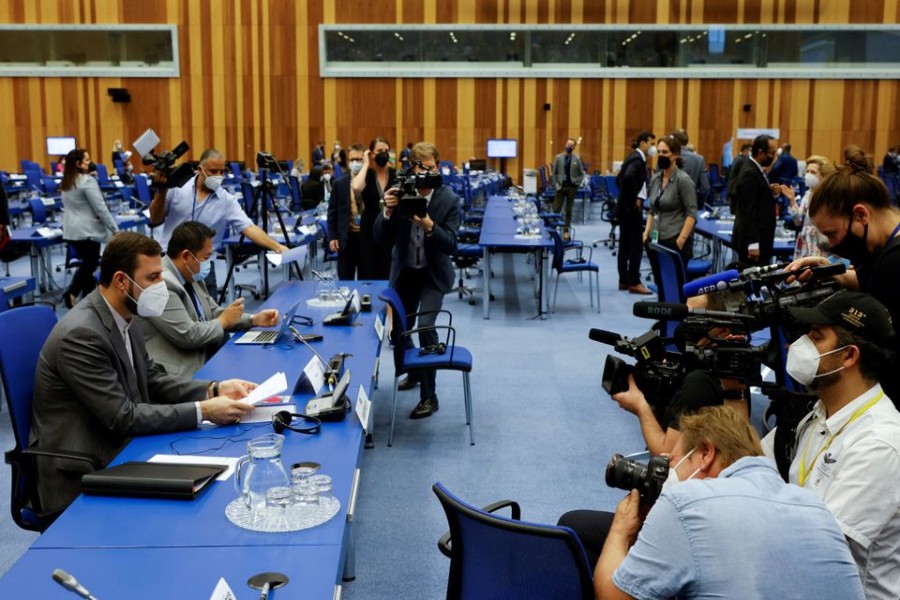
[[250, 81]]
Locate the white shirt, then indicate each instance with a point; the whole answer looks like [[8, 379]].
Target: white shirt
[[858, 479], [643, 193]]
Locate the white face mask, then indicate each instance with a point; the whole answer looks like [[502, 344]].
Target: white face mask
[[811, 181], [803, 361], [153, 299], [212, 183], [651, 151], [355, 166], [326, 177], [672, 478]]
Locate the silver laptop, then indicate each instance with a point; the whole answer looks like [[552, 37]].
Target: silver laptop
[[270, 336]]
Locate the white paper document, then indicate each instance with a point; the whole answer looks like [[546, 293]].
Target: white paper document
[[47, 232], [189, 459], [315, 373], [297, 254], [223, 591], [273, 386], [363, 407]]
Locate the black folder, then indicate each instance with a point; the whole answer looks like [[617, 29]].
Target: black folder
[[151, 480]]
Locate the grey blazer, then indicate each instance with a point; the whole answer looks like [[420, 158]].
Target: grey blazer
[[443, 208], [559, 170], [86, 216], [695, 166], [178, 340], [87, 398]]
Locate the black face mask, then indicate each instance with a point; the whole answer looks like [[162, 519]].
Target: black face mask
[[382, 159], [767, 161], [853, 247], [663, 162]]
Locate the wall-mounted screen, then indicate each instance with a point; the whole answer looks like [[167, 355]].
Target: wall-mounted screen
[[60, 146], [497, 148]]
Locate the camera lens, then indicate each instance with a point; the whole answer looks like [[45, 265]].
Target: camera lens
[[624, 473]]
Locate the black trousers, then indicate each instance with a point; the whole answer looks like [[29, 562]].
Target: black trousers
[[631, 249], [348, 257], [419, 294], [591, 527], [687, 253], [565, 195], [83, 282]]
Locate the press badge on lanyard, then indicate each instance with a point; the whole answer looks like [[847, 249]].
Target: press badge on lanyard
[[357, 219]]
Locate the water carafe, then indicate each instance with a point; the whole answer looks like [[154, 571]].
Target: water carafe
[[261, 472]]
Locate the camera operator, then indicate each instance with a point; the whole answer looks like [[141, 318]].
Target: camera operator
[[421, 270], [203, 199], [742, 532], [847, 450], [852, 209]]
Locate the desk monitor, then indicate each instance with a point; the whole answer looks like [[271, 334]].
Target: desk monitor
[[60, 145], [502, 148], [477, 164]]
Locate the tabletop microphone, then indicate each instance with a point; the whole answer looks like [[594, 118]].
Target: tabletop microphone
[[70, 583], [331, 376], [710, 283], [329, 283], [610, 338]]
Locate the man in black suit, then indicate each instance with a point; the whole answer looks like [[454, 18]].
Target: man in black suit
[[632, 182], [785, 168], [345, 211], [95, 385], [739, 161], [421, 270], [754, 212]]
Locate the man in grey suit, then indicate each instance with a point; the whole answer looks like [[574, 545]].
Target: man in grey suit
[[421, 270], [695, 166], [193, 327], [95, 386], [568, 175]]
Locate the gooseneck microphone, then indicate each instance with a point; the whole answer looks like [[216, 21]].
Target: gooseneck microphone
[[710, 283], [330, 375], [71, 584]]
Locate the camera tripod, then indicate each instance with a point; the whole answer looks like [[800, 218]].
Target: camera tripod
[[263, 195]]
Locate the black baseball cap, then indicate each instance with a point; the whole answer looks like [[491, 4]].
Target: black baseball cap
[[854, 311]]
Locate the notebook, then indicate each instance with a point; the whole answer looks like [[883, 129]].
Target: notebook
[[270, 336], [151, 480]]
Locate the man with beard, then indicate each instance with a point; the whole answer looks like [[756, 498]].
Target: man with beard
[[847, 450]]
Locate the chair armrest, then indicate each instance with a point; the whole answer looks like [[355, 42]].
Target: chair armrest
[[432, 312], [451, 333], [581, 249], [444, 543], [68, 455]]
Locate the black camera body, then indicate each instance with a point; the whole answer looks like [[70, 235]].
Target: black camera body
[[409, 184], [164, 162], [627, 474]]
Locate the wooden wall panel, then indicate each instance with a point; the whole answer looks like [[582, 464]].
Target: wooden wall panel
[[250, 81]]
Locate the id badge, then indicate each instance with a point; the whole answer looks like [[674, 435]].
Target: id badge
[[357, 219], [654, 235]]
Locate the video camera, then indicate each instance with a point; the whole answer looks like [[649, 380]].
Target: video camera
[[627, 474], [408, 184], [164, 162]]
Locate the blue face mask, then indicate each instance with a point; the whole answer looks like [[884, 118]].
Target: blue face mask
[[205, 268]]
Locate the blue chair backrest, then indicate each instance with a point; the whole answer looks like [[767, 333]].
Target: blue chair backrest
[[336, 171], [296, 196], [247, 193], [102, 174], [25, 329], [38, 210], [142, 189], [714, 177], [50, 184], [558, 249], [235, 169], [392, 298], [611, 186], [28, 165], [670, 279], [496, 557], [35, 180]]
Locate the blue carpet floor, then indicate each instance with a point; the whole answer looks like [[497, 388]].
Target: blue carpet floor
[[544, 428]]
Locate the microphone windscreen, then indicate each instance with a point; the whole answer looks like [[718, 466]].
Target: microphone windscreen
[[661, 310], [710, 283], [610, 338]]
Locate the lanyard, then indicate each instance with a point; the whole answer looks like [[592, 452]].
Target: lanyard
[[894, 233], [804, 470], [194, 203]]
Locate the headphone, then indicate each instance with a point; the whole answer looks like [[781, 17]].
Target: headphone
[[282, 420]]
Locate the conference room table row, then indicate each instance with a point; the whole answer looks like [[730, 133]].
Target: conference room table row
[[499, 235], [140, 548], [719, 231]]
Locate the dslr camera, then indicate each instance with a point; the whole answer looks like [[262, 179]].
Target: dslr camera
[[408, 184], [164, 162], [627, 474]]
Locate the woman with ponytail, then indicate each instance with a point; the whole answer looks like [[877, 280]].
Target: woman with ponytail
[[673, 201]]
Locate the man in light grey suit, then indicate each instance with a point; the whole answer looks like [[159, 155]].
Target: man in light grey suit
[[695, 166], [95, 386], [193, 327], [421, 270], [568, 175]]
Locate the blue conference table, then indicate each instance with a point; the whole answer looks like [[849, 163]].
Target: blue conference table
[[146, 528], [719, 231], [498, 234]]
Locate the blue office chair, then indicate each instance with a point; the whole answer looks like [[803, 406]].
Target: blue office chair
[[407, 359], [142, 190], [494, 557], [577, 265], [25, 330], [35, 181], [668, 273], [38, 210], [106, 185]]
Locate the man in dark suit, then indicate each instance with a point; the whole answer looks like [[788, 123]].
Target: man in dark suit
[[891, 162], [695, 166], [754, 212], [95, 386], [345, 211], [421, 270], [632, 183], [785, 168], [739, 161]]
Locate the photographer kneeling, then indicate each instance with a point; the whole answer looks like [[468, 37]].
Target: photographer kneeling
[[742, 532]]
